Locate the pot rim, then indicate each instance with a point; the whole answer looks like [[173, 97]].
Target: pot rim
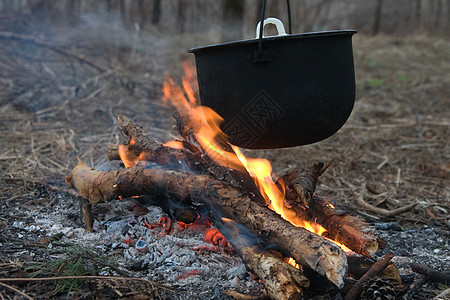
[[276, 38]]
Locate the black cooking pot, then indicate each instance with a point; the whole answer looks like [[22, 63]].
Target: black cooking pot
[[282, 91]]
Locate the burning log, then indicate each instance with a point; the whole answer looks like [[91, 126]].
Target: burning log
[[307, 248], [143, 147], [281, 280], [348, 230], [301, 184]]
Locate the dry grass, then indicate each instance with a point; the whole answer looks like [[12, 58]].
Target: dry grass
[[395, 142]]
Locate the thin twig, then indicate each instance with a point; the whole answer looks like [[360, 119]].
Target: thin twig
[[15, 290], [382, 211], [443, 295]]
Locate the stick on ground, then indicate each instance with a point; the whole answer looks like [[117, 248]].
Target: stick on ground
[[375, 270]]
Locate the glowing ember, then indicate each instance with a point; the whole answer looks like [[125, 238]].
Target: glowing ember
[[293, 263], [214, 236], [174, 144], [205, 124]]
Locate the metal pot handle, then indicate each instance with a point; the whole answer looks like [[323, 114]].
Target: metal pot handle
[[274, 21], [259, 52]]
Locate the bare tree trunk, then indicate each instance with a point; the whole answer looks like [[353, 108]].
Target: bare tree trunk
[[142, 12], [181, 16], [437, 15], [232, 20], [417, 11], [378, 13], [156, 14]]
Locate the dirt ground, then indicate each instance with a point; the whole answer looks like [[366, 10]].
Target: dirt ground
[[61, 90]]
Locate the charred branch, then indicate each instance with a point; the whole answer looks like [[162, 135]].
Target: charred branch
[[360, 265], [375, 270]]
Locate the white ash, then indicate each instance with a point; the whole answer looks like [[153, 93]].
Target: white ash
[[420, 245], [181, 259]]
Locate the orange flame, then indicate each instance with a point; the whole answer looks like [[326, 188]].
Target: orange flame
[[174, 144], [205, 124], [204, 121], [293, 263], [130, 159]]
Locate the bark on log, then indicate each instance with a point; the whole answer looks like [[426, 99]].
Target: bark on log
[[305, 247], [146, 148], [349, 230], [301, 184], [281, 280]]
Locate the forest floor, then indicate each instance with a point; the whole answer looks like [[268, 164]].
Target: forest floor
[[61, 90]]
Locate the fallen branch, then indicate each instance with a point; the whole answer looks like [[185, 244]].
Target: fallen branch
[[382, 211], [375, 270]]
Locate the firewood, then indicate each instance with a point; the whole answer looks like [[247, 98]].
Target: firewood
[[349, 230], [281, 280], [305, 247], [146, 148], [113, 152], [376, 269]]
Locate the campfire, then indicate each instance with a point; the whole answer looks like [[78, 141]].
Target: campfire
[[213, 181]]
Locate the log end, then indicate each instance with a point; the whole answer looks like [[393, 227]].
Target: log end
[[337, 265], [281, 280], [93, 185]]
